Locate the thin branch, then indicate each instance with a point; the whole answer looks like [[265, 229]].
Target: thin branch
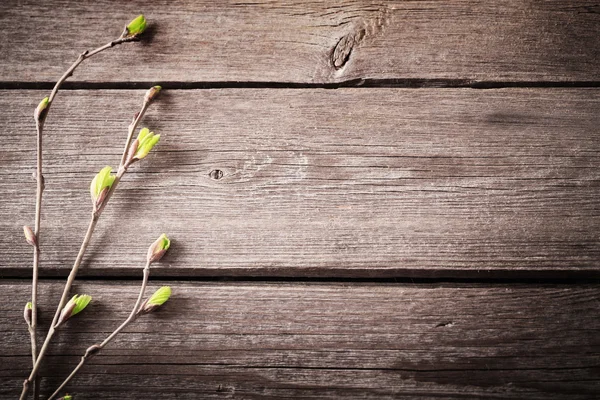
[[95, 216], [36, 251], [40, 189], [96, 348]]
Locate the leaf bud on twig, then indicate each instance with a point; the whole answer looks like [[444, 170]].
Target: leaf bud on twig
[[30, 236], [92, 350], [100, 186], [41, 110], [135, 28], [74, 306], [158, 249], [159, 298], [141, 146], [152, 93], [27, 312]]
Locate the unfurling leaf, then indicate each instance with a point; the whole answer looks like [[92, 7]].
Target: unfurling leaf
[[141, 146], [136, 27], [159, 298], [158, 249], [74, 306], [100, 186], [81, 303]]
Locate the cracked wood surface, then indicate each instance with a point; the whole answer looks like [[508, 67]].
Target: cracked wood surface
[[305, 183], [325, 341], [303, 41]]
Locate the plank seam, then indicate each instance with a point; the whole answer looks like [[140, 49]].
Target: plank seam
[[354, 83], [275, 279]]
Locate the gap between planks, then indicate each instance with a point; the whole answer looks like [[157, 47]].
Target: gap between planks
[[399, 83]]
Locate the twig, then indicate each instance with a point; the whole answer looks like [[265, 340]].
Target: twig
[[40, 120], [95, 216], [95, 349]]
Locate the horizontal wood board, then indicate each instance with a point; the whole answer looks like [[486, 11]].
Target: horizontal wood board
[[304, 41], [315, 183], [325, 341]]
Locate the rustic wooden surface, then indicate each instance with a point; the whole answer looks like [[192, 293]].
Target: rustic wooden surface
[[314, 203], [325, 341], [356, 183], [306, 42]]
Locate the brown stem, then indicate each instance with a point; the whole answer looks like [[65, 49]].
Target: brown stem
[[95, 216], [63, 298], [95, 349], [40, 188], [36, 252]]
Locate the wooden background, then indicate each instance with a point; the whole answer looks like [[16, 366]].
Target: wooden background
[[366, 199]]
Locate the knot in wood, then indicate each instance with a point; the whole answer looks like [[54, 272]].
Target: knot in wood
[[216, 174], [342, 50]]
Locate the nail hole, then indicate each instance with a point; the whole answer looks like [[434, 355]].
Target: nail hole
[[216, 174]]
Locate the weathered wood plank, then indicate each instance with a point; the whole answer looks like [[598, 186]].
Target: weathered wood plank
[[353, 182], [320, 341], [305, 42]]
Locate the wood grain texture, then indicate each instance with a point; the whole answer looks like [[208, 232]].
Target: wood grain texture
[[325, 341], [349, 182], [305, 41]]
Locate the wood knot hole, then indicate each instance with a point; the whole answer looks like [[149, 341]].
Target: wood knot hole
[[216, 174], [342, 50]]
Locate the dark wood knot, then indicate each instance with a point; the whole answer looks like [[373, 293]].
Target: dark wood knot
[[216, 174]]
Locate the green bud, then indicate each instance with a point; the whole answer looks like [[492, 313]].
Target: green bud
[[74, 306], [66, 397], [28, 312], [81, 303], [30, 236], [40, 111], [159, 298], [158, 249], [136, 26], [100, 186]]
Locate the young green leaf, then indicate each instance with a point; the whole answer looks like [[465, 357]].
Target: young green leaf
[[159, 298], [100, 185], [74, 306], [141, 146], [137, 26], [81, 303]]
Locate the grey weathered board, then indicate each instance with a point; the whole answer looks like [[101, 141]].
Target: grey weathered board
[[348, 183], [323, 341], [367, 182], [305, 41]]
